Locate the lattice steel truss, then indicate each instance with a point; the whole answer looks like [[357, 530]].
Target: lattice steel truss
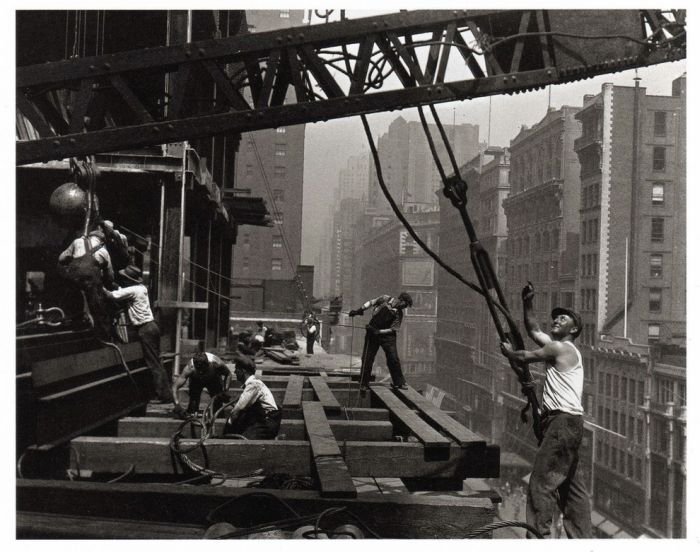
[[319, 72]]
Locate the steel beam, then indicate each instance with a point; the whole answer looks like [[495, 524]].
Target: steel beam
[[334, 70]]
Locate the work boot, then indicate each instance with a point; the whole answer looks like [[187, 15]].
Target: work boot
[[363, 391], [403, 387]]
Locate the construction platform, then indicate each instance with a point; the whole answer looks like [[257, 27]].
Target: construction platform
[[390, 459]]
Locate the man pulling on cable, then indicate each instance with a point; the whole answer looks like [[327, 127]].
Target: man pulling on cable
[[555, 479]]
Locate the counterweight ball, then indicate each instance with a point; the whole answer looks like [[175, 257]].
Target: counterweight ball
[[70, 200]]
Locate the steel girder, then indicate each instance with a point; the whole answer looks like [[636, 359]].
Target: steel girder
[[313, 73]]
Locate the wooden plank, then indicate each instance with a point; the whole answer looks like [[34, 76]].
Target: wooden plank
[[32, 525], [452, 427], [321, 437], [425, 434], [292, 395], [203, 305], [45, 372], [333, 475], [391, 515], [293, 430], [351, 413], [363, 459], [324, 394]]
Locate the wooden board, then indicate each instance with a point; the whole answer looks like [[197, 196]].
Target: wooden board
[[391, 515], [292, 395], [32, 525], [423, 432], [324, 394], [352, 413], [333, 475], [337, 399], [291, 430], [363, 458], [449, 425]]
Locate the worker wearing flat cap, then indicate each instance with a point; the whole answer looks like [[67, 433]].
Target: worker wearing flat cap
[[556, 478], [255, 415], [135, 296]]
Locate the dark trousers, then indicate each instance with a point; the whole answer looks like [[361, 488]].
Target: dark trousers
[[254, 423], [555, 480], [149, 335], [310, 340], [387, 342], [214, 386]]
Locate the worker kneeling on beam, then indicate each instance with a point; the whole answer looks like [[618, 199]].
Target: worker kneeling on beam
[[204, 370], [255, 415], [556, 478]]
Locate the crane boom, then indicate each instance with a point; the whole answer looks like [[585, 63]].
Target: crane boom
[[319, 72]]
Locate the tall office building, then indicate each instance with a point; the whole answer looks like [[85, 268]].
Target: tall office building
[[269, 164], [632, 301]]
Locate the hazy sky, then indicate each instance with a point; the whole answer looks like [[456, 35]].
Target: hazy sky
[[330, 144]]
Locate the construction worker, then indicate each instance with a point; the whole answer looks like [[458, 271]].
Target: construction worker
[[310, 330], [555, 479], [381, 332], [255, 415], [135, 296], [87, 264], [204, 370]]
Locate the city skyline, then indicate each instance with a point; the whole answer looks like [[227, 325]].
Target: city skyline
[[328, 145]]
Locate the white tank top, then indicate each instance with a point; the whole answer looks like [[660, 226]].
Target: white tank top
[[563, 390]]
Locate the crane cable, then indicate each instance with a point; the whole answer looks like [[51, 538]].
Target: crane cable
[[404, 221]]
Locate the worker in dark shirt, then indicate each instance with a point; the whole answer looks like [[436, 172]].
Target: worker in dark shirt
[[204, 370], [381, 332]]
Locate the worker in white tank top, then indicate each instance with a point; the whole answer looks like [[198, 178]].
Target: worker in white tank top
[[555, 480]]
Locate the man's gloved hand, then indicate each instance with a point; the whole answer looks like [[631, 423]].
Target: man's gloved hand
[[528, 292], [179, 412], [356, 312]]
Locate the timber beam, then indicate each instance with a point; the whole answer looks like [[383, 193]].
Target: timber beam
[[363, 458], [292, 430], [392, 515]]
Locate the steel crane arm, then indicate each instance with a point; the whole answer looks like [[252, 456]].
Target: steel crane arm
[[319, 72]]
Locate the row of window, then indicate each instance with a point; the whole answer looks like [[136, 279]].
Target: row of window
[[619, 460], [624, 424], [589, 264], [665, 392], [275, 264], [540, 242], [590, 230], [622, 388], [591, 196]]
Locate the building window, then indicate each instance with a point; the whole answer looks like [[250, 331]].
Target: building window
[[640, 431], [280, 153], [656, 265], [281, 130], [276, 264], [284, 14], [655, 299], [660, 123], [664, 390], [657, 193], [659, 160], [657, 229], [277, 242], [246, 263], [278, 217], [280, 171], [632, 391], [278, 195], [249, 169]]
